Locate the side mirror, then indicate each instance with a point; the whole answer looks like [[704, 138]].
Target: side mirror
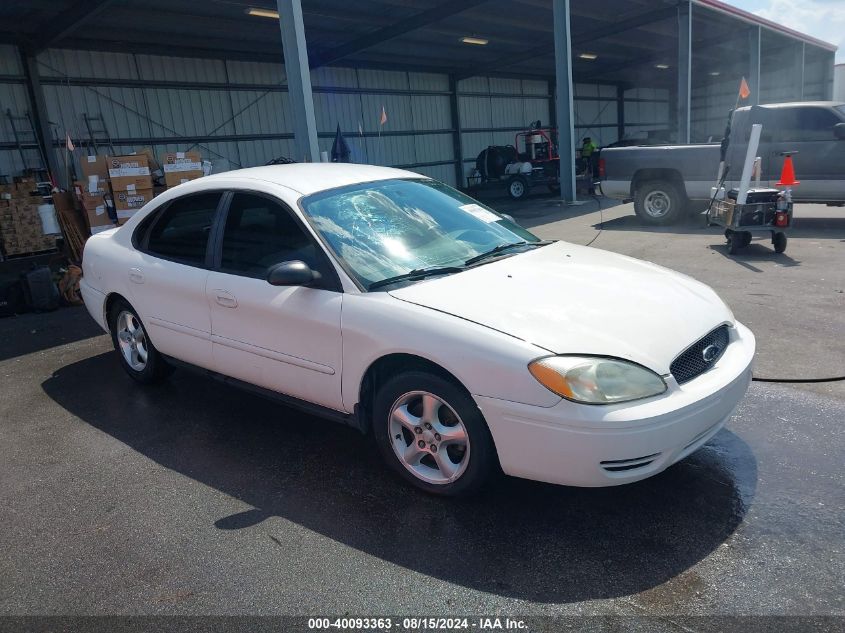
[[839, 131], [509, 218], [293, 273]]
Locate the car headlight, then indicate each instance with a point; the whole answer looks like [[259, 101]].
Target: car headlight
[[594, 380]]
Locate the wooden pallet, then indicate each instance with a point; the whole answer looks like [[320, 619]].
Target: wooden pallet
[[32, 254]]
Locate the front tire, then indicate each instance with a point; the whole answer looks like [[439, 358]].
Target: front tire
[[432, 434], [138, 356], [658, 202]]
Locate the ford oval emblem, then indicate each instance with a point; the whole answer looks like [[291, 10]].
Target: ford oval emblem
[[710, 353]]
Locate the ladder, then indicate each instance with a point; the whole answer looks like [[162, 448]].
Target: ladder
[[98, 134], [23, 131]]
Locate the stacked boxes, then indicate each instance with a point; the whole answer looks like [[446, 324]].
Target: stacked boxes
[[131, 183], [181, 167], [98, 206], [115, 187], [20, 225]]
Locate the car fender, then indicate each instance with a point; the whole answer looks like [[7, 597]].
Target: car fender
[[486, 362]]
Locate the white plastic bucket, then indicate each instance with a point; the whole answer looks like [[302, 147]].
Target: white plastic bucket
[[49, 221]]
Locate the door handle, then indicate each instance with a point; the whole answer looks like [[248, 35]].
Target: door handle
[[225, 299], [136, 276]]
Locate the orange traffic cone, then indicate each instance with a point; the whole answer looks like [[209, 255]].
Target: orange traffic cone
[[787, 174]]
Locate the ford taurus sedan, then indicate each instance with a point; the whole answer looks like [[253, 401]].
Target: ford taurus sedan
[[393, 303]]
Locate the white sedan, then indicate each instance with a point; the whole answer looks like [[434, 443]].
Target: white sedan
[[398, 305]]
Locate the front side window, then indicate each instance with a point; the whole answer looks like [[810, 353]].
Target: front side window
[[391, 227], [181, 232], [260, 233]]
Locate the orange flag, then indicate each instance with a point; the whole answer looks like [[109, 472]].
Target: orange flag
[[383, 119], [744, 90]]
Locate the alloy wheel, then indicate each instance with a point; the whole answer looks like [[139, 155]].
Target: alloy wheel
[[428, 437], [132, 340]]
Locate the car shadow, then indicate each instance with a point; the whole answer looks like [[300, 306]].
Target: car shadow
[[519, 539]]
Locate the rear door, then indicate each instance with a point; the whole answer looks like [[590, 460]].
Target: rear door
[[820, 158], [168, 276], [286, 339]]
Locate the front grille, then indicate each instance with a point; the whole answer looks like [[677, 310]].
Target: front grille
[[701, 355]]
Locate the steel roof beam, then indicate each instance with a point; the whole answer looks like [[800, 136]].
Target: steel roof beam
[[616, 28], [68, 21], [419, 20]]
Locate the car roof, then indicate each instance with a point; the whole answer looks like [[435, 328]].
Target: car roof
[[308, 178]]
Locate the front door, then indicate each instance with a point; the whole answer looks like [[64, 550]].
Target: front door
[[282, 338]]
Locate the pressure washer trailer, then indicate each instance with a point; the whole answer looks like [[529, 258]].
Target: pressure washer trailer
[[744, 211]]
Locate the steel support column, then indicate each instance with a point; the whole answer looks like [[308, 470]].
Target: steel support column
[[298, 80], [754, 35], [40, 118], [684, 70], [620, 113], [564, 116], [457, 144], [803, 65]]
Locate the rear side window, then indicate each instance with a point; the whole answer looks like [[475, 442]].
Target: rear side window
[[802, 124], [181, 232]]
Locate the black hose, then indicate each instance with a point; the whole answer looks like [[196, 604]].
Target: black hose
[[601, 220]]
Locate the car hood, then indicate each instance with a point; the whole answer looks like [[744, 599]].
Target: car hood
[[571, 299]]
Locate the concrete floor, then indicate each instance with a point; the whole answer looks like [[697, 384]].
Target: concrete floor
[[194, 498]]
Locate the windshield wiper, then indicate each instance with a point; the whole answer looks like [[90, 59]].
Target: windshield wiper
[[502, 248], [417, 273]]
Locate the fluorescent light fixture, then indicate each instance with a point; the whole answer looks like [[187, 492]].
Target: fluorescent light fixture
[[714, 73], [590, 56], [478, 41], [262, 13], [662, 66]]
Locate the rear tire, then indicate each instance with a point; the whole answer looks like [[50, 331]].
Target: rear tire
[[735, 242], [779, 242], [138, 356], [432, 434], [658, 202]]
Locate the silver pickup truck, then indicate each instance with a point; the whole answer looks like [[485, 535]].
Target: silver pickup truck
[[669, 180]]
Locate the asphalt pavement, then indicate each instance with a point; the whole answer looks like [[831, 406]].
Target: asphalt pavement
[[194, 498]]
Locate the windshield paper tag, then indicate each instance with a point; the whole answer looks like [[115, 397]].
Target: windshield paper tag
[[480, 212]]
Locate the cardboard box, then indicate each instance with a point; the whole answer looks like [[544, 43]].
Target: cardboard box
[[127, 203], [130, 173], [181, 167], [95, 166]]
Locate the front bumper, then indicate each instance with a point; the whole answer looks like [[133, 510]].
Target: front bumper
[[583, 445]]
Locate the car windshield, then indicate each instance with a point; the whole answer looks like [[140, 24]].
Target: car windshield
[[389, 228]]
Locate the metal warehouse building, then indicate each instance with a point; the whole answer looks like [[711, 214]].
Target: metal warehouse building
[[451, 76]]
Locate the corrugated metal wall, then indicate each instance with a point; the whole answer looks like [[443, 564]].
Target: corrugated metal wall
[[237, 113], [14, 99], [493, 109], [780, 81]]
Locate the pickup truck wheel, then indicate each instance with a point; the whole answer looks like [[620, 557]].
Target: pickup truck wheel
[[658, 202], [518, 187]]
